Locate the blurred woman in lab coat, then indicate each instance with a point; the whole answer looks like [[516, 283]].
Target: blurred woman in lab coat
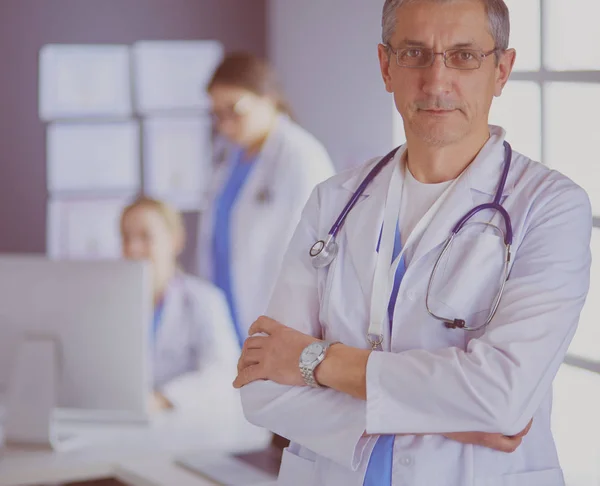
[[194, 348], [262, 181]]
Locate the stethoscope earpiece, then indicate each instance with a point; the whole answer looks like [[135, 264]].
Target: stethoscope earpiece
[[456, 324]]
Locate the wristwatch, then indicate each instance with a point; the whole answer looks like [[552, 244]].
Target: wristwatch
[[311, 357]]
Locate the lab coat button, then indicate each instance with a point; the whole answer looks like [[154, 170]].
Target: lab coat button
[[406, 461], [412, 295]]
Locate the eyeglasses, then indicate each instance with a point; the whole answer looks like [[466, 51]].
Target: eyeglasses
[[422, 57], [232, 112]]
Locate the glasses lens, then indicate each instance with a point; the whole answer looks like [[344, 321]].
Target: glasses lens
[[463, 59], [414, 57]]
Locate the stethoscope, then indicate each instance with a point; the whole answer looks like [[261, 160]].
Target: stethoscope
[[324, 251]]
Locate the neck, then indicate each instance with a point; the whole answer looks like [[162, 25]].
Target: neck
[[433, 164], [254, 147], [160, 288]]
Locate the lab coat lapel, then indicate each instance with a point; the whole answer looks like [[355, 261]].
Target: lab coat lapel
[[262, 176], [458, 203], [482, 175], [363, 224]]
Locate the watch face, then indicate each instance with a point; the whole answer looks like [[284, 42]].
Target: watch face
[[312, 353]]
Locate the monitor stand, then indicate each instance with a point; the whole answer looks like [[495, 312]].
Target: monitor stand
[[32, 395]]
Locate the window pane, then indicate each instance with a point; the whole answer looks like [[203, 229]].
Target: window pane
[[573, 128], [573, 35], [586, 343], [525, 33], [518, 111], [576, 426]]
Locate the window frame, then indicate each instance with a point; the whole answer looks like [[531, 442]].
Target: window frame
[[542, 78]]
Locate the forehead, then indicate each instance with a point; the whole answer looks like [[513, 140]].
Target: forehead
[[443, 24], [226, 94], [142, 217]]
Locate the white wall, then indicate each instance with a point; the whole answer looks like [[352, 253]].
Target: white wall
[[325, 52]]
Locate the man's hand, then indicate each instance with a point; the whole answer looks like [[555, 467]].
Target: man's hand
[[497, 442], [159, 403], [272, 356]]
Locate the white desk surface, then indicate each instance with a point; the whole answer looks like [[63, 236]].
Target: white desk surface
[[106, 448], [161, 473]]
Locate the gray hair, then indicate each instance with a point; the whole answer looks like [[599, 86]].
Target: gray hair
[[497, 12]]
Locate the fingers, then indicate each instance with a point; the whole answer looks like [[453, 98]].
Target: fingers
[[497, 442], [250, 357], [465, 437], [251, 351], [248, 375], [265, 325], [524, 432], [256, 342], [502, 443]]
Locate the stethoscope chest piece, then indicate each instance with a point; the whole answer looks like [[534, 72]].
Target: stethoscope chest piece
[[322, 253], [317, 248]]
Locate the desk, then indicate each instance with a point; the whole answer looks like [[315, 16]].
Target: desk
[[107, 447], [161, 473]]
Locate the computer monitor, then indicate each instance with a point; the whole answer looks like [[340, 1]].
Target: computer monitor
[[73, 340]]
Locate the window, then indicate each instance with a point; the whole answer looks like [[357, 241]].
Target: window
[[557, 80]]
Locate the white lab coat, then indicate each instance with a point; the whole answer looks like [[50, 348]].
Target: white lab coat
[[196, 350], [430, 379], [291, 163]]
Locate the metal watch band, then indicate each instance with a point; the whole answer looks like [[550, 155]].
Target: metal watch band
[[309, 377], [308, 373]]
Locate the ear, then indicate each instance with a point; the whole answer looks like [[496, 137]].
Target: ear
[[385, 57], [503, 70]]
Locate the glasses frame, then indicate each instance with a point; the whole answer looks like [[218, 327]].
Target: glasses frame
[[482, 55], [235, 112]]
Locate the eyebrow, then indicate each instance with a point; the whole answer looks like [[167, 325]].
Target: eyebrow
[[460, 45]]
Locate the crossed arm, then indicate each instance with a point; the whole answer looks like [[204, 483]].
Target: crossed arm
[[493, 387], [274, 356]]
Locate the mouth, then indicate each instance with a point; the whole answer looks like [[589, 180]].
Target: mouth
[[437, 112]]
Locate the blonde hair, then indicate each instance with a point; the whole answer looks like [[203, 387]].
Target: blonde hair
[[171, 216]]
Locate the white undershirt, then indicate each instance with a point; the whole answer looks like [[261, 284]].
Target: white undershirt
[[417, 199]]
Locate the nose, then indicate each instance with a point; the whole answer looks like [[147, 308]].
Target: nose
[[437, 78]]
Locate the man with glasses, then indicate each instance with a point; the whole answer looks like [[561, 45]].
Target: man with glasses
[[419, 402]]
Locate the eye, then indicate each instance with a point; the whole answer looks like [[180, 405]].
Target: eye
[[413, 53], [465, 56]]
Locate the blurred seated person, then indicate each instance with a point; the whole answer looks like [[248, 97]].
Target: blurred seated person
[[193, 345]]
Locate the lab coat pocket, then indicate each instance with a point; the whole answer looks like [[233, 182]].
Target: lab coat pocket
[[470, 273], [546, 477], [296, 470]]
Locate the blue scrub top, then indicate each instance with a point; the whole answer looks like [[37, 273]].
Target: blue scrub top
[[222, 233], [157, 318]]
